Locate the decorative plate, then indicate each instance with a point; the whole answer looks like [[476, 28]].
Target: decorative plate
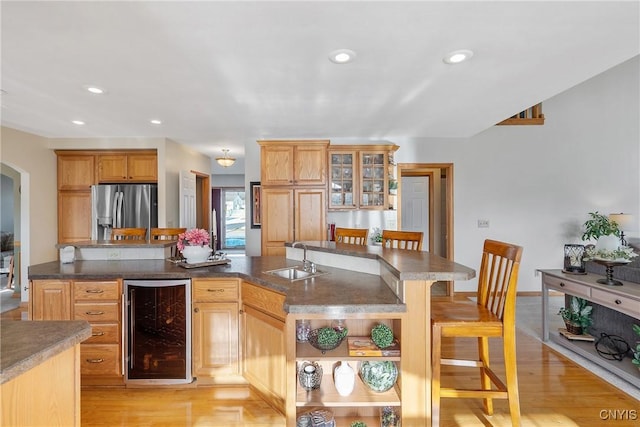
[[379, 375]]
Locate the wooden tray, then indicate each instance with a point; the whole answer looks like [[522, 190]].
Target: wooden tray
[[204, 264]]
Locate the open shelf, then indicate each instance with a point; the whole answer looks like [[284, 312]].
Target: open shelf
[[624, 368], [327, 395], [305, 351]]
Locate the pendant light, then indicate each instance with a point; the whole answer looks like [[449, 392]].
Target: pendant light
[[225, 161]]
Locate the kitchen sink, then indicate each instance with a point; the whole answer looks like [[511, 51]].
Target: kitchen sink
[[295, 273]]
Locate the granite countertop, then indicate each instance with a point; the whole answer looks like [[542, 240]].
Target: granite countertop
[[26, 344], [119, 244], [340, 290]]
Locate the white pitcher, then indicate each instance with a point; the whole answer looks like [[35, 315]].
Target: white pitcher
[[344, 378]]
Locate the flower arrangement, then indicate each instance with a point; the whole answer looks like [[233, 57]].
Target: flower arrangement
[[376, 235], [193, 237]]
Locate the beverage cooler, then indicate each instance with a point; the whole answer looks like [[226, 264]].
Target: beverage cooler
[[158, 328]]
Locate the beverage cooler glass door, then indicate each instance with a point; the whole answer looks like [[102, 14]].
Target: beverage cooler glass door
[[158, 328]]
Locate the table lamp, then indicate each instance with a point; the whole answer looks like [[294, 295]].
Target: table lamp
[[624, 221]]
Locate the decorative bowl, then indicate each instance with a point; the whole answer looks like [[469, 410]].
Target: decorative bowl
[[313, 340], [379, 376]]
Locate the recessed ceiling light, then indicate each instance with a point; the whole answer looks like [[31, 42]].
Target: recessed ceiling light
[[77, 122], [342, 56], [458, 56], [95, 89], [155, 122]]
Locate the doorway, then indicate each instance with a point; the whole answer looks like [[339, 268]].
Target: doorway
[[425, 203], [229, 206]]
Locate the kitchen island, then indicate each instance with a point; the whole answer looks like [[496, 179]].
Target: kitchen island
[[39, 372], [397, 294]]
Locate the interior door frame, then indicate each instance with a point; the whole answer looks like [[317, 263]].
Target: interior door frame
[[426, 169], [203, 200]]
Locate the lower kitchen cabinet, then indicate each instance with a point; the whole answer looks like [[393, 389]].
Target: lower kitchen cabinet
[[265, 358], [50, 300], [215, 330]]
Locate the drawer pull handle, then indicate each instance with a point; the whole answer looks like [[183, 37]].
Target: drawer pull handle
[[196, 310], [562, 284], [100, 360], [94, 291], [618, 302], [97, 334], [215, 290], [94, 313]]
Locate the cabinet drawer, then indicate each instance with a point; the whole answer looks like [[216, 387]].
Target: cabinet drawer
[[96, 291], [265, 300], [215, 290], [619, 303], [105, 312], [104, 334], [100, 359], [568, 286]]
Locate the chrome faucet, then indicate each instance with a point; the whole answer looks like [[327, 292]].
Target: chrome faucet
[[307, 265]]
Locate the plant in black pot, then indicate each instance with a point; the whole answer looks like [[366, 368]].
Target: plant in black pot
[[577, 316]]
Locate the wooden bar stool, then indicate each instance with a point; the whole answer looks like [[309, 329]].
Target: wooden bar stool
[[411, 240], [493, 315], [166, 233], [353, 236], [128, 234]]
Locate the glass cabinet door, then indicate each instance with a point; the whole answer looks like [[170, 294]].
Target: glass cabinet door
[[342, 182], [373, 166]]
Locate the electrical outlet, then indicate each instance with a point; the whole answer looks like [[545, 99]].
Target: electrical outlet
[[483, 223], [113, 254]]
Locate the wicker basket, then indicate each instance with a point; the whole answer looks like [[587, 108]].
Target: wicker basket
[[573, 329]]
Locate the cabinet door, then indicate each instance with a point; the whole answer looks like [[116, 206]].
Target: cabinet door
[[373, 180], [112, 168], [50, 300], [310, 218], [74, 216], [142, 167], [277, 220], [277, 165], [265, 355], [215, 343], [75, 171], [343, 179], [310, 165]]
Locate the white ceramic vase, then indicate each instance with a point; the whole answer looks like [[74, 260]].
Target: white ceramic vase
[[607, 243], [196, 254], [344, 378]]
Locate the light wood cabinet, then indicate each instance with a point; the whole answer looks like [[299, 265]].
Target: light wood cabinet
[[359, 176], [74, 216], [215, 330], [99, 303], [50, 300], [264, 343], [75, 171], [128, 167], [292, 214], [293, 162]]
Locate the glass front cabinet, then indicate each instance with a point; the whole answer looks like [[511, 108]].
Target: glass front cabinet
[[360, 177]]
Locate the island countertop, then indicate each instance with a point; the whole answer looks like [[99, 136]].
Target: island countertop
[[26, 344], [340, 289]]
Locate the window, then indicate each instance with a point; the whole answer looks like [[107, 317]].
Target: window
[[234, 218]]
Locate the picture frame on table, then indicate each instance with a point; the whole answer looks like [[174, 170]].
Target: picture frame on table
[[256, 195]]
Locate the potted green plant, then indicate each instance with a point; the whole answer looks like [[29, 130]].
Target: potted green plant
[[600, 228], [577, 316], [636, 351]]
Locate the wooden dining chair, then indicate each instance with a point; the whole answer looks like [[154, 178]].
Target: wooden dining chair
[[128, 233], [353, 236], [411, 240], [492, 315], [166, 233], [8, 271]]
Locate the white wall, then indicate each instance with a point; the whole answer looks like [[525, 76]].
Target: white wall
[[536, 184]]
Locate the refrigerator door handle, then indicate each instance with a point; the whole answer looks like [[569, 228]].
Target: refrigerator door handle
[[118, 213]]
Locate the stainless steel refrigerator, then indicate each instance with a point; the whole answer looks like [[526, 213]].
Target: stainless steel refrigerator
[[122, 205]]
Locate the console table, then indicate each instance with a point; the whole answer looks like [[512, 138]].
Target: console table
[[623, 299]]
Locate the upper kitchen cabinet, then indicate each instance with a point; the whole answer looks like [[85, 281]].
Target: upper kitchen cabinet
[[294, 162], [75, 170], [138, 166], [359, 176]]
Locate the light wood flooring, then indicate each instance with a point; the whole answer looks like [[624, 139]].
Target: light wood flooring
[[554, 391]]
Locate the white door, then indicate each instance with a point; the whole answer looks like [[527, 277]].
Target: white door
[[187, 199], [415, 206]]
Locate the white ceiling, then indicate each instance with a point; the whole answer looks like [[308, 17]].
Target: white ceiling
[[220, 74]]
